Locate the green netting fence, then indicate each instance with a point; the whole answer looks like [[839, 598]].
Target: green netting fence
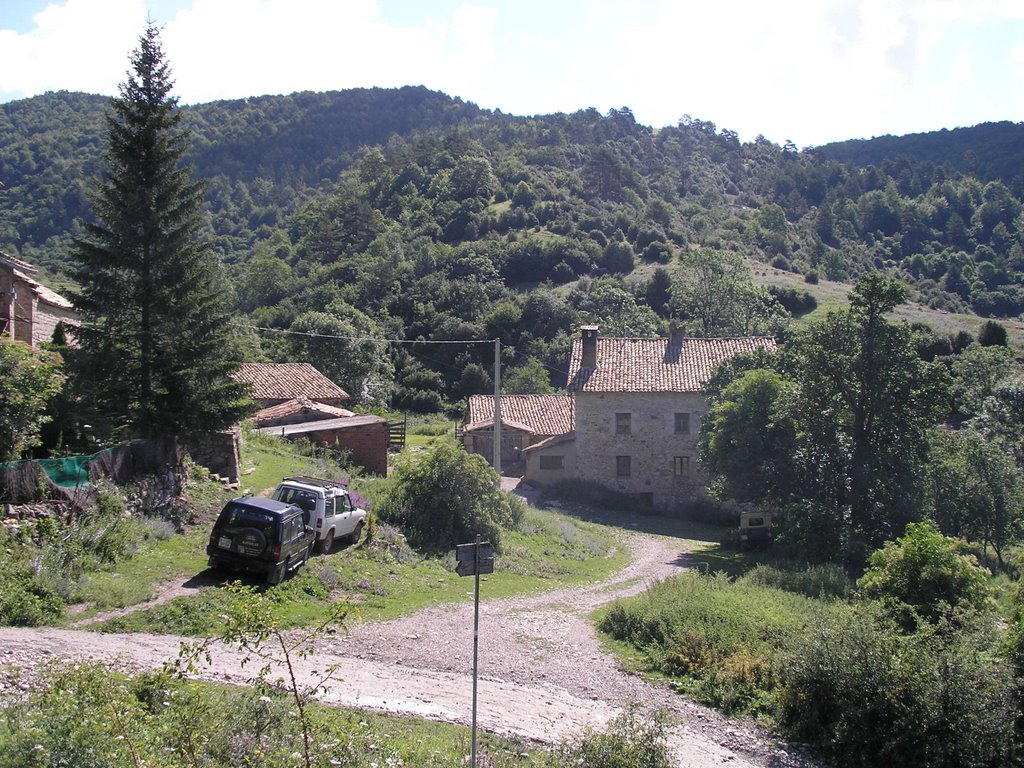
[[65, 472], [23, 482]]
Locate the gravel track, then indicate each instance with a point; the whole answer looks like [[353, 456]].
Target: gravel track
[[543, 673]]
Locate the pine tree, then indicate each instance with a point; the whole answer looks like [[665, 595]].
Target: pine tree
[[155, 347]]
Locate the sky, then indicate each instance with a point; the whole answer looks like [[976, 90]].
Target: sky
[[807, 71]]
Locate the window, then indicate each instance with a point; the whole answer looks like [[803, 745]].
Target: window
[[682, 423], [623, 423], [623, 466], [681, 466], [551, 462]]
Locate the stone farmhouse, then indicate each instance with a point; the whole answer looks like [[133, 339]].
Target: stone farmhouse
[[636, 408], [29, 311]]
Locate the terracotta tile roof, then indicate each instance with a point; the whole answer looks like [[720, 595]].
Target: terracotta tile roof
[[13, 263], [540, 414], [300, 405], [287, 381], [650, 365], [328, 425], [551, 442], [44, 294], [508, 423]]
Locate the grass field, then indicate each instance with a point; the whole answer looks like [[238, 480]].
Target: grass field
[[832, 295], [382, 579]]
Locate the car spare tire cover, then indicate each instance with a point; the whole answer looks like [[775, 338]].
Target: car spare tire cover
[[250, 541]]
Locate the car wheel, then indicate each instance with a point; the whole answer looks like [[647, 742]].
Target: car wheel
[[327, 542], [354, 536], [214, 564]]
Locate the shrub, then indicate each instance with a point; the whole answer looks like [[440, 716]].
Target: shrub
[[823, 581], [794, 301], [864, 694], [446, 497], [630, 741], [720, 637], [24, 601], [923, 576]]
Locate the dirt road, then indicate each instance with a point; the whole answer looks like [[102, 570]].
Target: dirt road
[[543, 674]]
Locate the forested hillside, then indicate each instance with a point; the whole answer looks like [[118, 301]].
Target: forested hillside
[[407, 214], [988, 151]]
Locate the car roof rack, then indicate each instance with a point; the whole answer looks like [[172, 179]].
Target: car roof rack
[[315, 481]]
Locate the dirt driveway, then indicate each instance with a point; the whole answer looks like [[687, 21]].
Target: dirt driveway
[[543, 674]]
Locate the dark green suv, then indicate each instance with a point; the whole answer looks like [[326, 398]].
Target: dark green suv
[[254, 534]]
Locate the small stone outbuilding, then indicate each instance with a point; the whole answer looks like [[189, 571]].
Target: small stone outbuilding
[[29, 311], [525, 421], [364, 437]]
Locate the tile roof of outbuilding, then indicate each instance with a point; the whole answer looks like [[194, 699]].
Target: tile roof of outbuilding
[[287, 381], [651, 365], [44, 294], [299, 405], [25, 272], [541, 414], [327, 425]]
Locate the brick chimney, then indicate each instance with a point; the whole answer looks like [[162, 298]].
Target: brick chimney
[[589, 359], [675, 336]]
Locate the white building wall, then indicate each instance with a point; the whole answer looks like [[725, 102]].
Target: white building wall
[[564, 450]]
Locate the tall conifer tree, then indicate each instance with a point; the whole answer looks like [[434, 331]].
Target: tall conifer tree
[[155, 344]]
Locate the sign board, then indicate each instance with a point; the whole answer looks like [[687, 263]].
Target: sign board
[[464, 552], [468, 567]]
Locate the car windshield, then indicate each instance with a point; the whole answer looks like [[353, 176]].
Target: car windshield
[[298, 497]]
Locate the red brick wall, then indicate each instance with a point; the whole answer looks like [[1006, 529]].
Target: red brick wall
[[367, 443]]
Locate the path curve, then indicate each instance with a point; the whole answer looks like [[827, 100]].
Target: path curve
[[543, 673]]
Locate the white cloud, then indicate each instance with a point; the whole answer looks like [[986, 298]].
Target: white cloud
[[233, 48], [73, 47], [808, 71]]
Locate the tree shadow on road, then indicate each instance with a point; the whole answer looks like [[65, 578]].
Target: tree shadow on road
[[703, 550]]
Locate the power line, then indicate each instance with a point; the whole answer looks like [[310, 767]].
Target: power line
[[409, 342], [364, 338]]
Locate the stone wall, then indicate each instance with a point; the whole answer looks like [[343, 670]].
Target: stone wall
[[662, 463], [46, 319], [218, 452]]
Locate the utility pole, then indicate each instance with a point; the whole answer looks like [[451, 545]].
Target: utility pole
[[497, 406], [472, 560]]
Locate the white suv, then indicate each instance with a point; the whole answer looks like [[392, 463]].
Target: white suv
[[332, 514]]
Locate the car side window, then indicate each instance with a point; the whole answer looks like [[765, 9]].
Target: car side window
[[344, 503], [329, 506]]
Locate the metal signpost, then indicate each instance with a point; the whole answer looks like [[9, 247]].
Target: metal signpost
[[472, 560]]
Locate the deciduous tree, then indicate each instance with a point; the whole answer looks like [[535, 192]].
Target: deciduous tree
[[714, 295], [868, 401], [28, 379]]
